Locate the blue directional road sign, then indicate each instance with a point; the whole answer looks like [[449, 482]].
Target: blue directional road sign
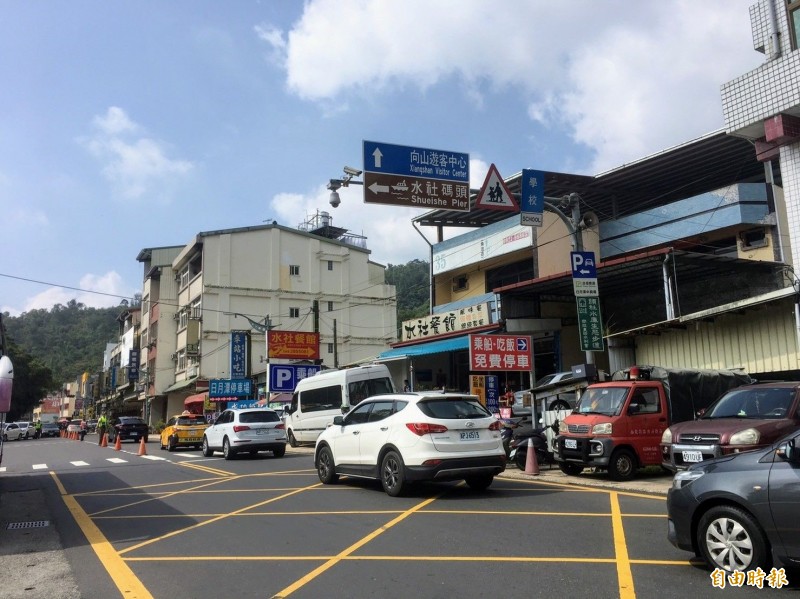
[[584, 274], [283, 378], [416, 177], [532, 198]]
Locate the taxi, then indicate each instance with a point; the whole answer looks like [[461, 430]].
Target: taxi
[[184, 430]]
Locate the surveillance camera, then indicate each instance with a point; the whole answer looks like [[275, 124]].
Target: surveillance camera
[[335, 200], [353, 172]]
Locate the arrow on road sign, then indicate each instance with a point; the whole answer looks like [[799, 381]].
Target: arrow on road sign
[[377, 155], [375, 188]]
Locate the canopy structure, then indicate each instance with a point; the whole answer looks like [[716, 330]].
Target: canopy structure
[[423, 349]]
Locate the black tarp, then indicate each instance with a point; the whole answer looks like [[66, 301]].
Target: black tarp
[[691, 390]]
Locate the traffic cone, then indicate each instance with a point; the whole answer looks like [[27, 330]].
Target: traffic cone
[[531, 464], [142, 448], [118, 444], [104, 440]]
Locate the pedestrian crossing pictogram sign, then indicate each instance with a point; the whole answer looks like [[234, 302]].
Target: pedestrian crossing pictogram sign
[[494, 194]]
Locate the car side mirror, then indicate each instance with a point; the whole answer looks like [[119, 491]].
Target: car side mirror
[[701, 412], [338, 420], [634, 408], [790, 452]]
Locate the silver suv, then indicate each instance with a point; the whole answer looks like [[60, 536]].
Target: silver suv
[[26, 428]]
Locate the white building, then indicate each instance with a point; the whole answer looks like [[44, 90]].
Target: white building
[[317, 278]]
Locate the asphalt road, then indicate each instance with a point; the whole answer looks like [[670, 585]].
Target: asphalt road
[[179, 525]]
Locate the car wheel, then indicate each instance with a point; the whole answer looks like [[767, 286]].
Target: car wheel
[[227, 451], [570, 468], [207, 451], [172, 443], [326, 469], [559, 404], [622, 465], [279, 452], [292, 440], [479, 483], [729, 538], [393, 474], [5, 437]]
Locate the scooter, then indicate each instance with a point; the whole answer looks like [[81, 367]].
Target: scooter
[[535, 436], [507, 432]]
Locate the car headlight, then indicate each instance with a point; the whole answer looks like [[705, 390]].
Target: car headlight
[[749, 436], [666, 438], [686, 477], [602, 429]]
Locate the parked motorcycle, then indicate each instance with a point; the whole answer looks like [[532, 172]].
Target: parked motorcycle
[[537, 437], [507, 432]]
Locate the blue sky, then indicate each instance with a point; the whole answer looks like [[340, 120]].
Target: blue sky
[[126, 125]]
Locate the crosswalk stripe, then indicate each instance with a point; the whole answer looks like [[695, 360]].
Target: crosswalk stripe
[[79, 463], [40, 466], [153, 457], [116, 460]]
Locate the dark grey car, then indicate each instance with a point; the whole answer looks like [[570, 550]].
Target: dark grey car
[[740, 511]]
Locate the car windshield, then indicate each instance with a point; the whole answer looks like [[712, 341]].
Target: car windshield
[[603, 400], [258, 416], [453, 408], [129, 420], [769, 403], [191, 420]]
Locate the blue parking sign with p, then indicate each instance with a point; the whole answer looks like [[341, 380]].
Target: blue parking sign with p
[[583, 265], [283, 378]]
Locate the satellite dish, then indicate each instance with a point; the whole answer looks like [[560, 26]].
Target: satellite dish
[[590, 220]]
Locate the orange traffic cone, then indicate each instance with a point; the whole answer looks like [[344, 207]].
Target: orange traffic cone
[[531, 463], [142, 448], [118, 444], [104, 440]]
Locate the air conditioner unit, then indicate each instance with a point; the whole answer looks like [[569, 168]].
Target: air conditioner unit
[[177, 315], [192, 370], [174, 356]]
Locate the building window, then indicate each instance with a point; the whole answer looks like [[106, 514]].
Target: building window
[[793, 8], [294, 269], [294, 312], [330, 306], [330, 348], [330, 264], [184, 276]]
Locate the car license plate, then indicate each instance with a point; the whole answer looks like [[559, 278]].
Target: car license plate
[[692, 456], [470, 435], [570, 444]]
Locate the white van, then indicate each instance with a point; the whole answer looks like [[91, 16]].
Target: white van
[[318, 399]]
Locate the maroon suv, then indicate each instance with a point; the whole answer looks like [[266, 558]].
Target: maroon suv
[[746, 418], [128, 427]]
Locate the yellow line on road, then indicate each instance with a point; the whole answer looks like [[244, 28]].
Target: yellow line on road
[[354, 547], [127, 583], [203, 468], [217, 519], [624, 574], [161, 496]]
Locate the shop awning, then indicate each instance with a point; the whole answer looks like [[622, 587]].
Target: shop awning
[[180, 385], [194, 399], [424, 349]]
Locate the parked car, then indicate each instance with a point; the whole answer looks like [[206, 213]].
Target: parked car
[[246, 430], [738, 510], [11, 431], [401, 438], [127, 427], [50, 429], [183, 430], [745, 418], [26, 428]]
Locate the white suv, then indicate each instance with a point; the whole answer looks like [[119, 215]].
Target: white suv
[[403, 437], [246, 431], [26, 428]]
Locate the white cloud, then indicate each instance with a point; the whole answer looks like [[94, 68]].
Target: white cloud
[[135, 165], [626, 79], [94, 291]]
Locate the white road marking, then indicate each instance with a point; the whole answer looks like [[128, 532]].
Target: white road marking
[[79, 463], [153, 457], [116, 460], [3, 469], [40, 466]]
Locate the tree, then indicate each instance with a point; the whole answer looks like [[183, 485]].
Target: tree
[[412, 281]]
